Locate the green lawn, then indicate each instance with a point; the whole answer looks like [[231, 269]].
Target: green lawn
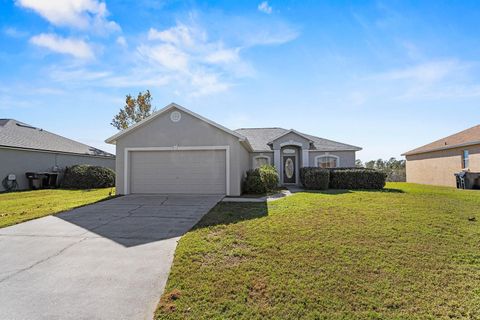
[[16, 207], [408, 252]]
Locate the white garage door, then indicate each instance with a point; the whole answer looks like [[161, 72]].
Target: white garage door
[[197, 171]]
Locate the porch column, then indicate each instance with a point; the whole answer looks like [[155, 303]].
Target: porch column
[[305, 158], [277, 162]]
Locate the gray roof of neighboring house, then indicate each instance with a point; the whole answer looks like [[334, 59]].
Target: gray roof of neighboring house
[[16, 134], [260, 137]]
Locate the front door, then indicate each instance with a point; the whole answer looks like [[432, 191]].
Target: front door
[[289, 172]]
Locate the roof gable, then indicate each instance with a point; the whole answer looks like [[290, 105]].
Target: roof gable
[[290, 131], [462, 138], [171, 106]]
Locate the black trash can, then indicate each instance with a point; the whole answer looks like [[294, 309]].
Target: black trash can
[[34, 180]]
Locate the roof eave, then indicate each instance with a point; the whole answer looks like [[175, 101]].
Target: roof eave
[[453, 146]]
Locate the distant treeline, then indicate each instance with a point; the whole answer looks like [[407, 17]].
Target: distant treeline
[[393, 168]]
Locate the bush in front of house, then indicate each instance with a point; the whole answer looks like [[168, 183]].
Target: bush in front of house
[[315, 178], [261, 180], [84, 176], [356, 178]]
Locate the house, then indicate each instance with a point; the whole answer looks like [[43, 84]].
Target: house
[[178, 151], [437, 162], [24, 148]]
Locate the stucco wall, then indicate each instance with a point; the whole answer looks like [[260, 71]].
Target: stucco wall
[[346, 158], [439, 167], [19, 162], [188, 132]]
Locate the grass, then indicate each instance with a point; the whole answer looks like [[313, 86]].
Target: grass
[[16, 207], [408, 252]]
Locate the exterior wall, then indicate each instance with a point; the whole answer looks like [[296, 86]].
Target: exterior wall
[[439, 167], [19, 162], [346, 158], [188, 132]]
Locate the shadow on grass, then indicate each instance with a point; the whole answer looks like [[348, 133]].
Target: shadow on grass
[[344, 191], [226, 213]]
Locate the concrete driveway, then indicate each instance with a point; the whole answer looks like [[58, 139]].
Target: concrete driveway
[[104, 261]]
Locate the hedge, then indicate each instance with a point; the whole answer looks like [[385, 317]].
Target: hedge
[[315, 178], [261, 180], [356, 178], [342, 178], [84, 176]]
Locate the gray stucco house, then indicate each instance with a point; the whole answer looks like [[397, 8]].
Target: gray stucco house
[[24, 148], [178, 151]]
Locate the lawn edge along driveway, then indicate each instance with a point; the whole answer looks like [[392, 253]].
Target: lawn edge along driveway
[[21, 206]]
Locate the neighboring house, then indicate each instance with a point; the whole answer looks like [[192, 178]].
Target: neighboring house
[[178, 151], [24, 148], [437, 162]]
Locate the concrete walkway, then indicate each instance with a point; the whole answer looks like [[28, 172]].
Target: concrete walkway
[[274, 197], [104, 261]]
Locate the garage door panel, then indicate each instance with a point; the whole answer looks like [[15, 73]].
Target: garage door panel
[[179, 171]]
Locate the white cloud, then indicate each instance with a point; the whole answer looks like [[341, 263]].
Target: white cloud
[[207, 83], [166, 55], [426, 73], [264, 7], [185, 54], [14, 32], [74, 47], [223, 56], [121, 41], [180, 35], [80, 14]]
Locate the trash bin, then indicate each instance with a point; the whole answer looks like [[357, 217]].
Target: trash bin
[[468, 180], [34, 180]]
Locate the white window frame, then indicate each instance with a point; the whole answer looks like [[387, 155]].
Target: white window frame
[[254, 163], [126, 164], [325, 156]]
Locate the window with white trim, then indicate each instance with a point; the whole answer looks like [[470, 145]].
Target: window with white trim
[[327, 161], [260, 161]]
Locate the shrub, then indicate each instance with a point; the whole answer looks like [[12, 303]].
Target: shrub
[[356, 178], [261, 180], [315, 178], [84, 176]]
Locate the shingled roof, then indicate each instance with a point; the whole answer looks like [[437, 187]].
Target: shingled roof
[[260, 137], [16, 134], [463, 138]]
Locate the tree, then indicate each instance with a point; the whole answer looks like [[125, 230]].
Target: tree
[[134, 110], [393, 168]]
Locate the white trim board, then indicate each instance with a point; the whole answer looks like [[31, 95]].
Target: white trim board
[[126, 187]]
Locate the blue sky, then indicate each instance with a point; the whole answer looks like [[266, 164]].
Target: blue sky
[[386, 76]]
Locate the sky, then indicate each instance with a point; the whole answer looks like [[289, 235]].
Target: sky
[[387, 76]]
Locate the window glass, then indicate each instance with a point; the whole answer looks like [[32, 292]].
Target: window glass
[[465, 159], [261, 162], [327, 162]]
